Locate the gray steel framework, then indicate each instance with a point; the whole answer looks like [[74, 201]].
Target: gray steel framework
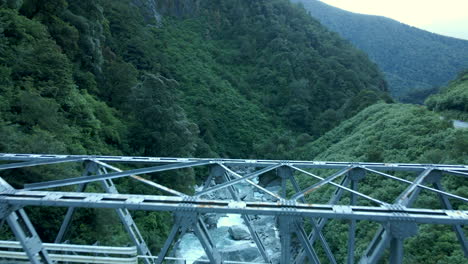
[[398, 220]]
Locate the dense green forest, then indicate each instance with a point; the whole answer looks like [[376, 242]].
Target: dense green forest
[[207, 78], [395, 133], [452, 101], [411, 58], [401, 133], [217, 78]]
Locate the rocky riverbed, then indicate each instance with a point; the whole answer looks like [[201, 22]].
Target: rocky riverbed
[[230, 233]]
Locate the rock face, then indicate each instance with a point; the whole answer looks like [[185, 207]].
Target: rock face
[[153, 10], [239, 232], [211, 220], [244, 252], [149, 11]]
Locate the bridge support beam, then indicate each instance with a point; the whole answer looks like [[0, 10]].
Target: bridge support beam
[[23, 230], [92, 168], [287, 172], [383, 237], [218, 171], [322, 221], [183, 222], [434, 179], [355, 176], [128, 222], [287, 226], [399, 231]]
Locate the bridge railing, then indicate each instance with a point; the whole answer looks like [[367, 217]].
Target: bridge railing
[[13, 251]]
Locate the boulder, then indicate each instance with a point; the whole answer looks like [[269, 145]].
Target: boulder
[[239, 232], [211, 220], [247, 252]]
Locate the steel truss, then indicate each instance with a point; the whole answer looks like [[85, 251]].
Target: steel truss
[[398, 220]]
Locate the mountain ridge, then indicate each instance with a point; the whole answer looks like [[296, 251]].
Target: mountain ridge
[[410, 57]]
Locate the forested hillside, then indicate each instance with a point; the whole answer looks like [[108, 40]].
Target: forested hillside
[[452, 101], [225, 76], [396, 133], [410, 58], [177, 78]]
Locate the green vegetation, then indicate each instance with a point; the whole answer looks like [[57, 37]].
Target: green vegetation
[[452, 101], [410, 58], [211, 78], [392, 133], [395, 133]]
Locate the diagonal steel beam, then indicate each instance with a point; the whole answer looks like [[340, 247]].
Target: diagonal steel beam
[[457, 228], [419, 185], [383, 238], [179, 223], [248, 223], [308, 248], [26, 234], [183, 222], [246, 177], [23, 229], [208, 181], [317, 230], [143, 180], [321, 183], [114, 175], [322, 221], [88, 170], [459, 173], [68, 217], [71, 210], [407, 197], [211, 251], [323, 241], [127, 221], [233, 173], [5, 186], [123, 214], [341, 186]]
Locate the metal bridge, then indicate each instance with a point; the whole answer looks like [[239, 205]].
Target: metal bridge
[[398, 219]]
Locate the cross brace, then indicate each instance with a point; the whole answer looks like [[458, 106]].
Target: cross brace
[[123, 214]]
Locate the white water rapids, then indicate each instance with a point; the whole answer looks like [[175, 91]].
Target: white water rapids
[[190, 248]]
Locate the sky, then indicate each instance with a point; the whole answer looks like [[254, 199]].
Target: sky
[[445, 17]]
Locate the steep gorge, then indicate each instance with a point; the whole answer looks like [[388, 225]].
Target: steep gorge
[[189, 78], [211, 78]]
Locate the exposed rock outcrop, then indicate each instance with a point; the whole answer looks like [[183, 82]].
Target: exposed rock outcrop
[[239, 232]]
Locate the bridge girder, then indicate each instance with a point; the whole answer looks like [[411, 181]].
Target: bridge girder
[[290, 209]]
